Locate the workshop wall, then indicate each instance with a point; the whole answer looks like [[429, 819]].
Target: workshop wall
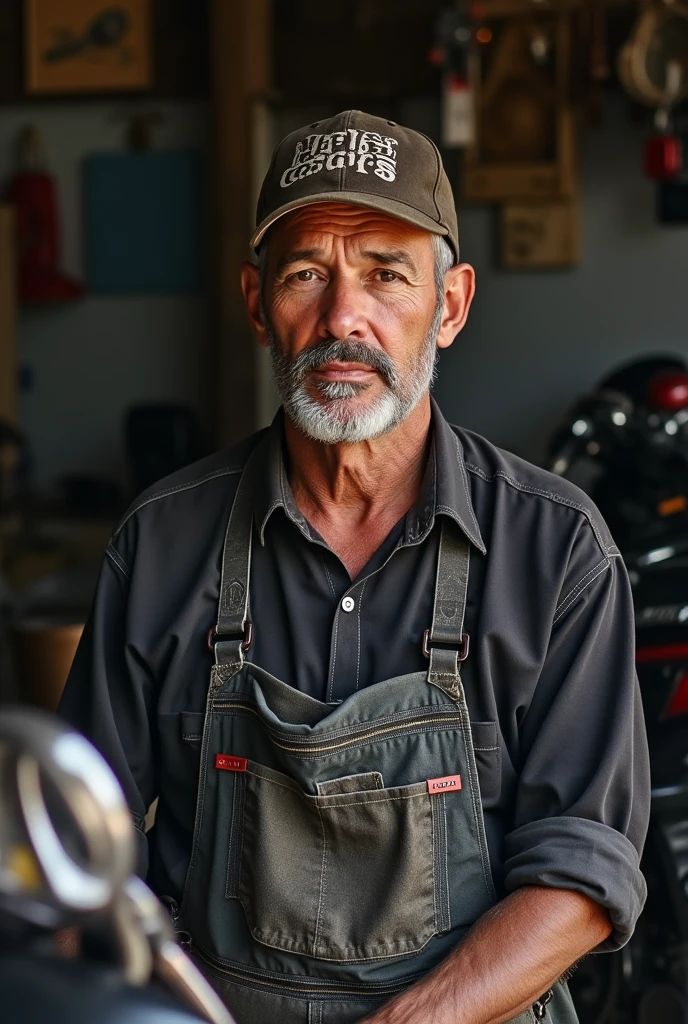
[[535, 341], [91, 359]]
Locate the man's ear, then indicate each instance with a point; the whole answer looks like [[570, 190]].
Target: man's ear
[[459, 289], [250, 286]]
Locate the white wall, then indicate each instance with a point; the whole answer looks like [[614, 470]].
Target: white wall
[[93, 358]]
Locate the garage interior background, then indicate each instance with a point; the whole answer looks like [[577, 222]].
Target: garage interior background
[[125, 350], [146, 360], [534, 340]]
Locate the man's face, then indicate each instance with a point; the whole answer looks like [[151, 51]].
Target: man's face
[[351, 312]]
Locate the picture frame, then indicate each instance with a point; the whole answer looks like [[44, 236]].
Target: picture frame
[[87, 46]]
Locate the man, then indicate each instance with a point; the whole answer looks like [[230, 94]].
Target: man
[[337, 836]]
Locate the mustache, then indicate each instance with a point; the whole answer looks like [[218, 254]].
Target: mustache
[[342, 351]]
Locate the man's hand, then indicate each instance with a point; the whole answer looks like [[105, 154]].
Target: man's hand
[[511, 957]]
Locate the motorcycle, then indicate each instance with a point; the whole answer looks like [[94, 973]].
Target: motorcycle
[[81, 938], [628, 445]]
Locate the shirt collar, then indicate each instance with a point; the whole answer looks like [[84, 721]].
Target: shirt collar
[[273, 490], [444, 491]]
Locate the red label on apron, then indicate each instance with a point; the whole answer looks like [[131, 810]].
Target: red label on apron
[[445, 784], [229, 763]]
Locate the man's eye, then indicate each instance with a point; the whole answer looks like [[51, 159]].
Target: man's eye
[[387, 276], [305, 275]]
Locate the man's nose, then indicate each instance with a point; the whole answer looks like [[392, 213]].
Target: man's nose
[[342, 310]]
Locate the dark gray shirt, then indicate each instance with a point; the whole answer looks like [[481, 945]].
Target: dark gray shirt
[[550, 681]]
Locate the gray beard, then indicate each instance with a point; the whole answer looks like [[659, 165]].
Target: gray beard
[[332, 417]]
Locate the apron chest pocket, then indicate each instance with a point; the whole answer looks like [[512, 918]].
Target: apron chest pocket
[[346, 876]]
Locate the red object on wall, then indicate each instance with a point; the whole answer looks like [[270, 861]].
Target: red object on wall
[[32, 193], [663, 157]]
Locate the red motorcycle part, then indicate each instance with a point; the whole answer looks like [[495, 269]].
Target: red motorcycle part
[[678, 701], [669, 391]]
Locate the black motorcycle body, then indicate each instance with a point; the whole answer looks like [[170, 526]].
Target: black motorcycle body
[[637, 457]]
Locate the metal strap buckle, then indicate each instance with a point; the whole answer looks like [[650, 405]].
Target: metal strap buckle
[[540, 1006], [463, 649], [214, 637]]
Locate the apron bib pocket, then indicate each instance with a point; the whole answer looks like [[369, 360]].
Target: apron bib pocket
[[345, 876]]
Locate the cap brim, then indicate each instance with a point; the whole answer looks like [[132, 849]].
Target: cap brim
[[368, 200]]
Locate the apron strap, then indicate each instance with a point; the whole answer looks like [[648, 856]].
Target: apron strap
[[445, 643], [232, 635]]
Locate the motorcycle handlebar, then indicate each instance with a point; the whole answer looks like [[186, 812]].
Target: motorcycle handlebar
[[58, 796]]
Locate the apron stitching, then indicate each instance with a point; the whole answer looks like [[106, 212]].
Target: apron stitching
[[425, 711], [224, 963], [304, 753], [232, 841], [446, 863], [241, 854], [374, 799], [435, 847], [477, 809], [283, 785], [201, 797], [380, 800], [359, 803], [316, 935]]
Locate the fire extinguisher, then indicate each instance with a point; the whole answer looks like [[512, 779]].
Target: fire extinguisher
[[454, 37], [33, 194], [664, 151]]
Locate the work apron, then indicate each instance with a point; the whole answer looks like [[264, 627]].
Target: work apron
[[339, 850]]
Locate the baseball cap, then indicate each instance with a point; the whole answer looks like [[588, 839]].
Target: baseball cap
[[356, 158]]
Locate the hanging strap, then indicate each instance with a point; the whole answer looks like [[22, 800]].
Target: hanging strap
[[231, 637], [445, 643]]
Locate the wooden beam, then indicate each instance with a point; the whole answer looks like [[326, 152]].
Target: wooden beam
[[517, 8], [240, 41]]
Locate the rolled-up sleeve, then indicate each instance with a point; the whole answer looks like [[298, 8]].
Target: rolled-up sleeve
[[583, 794]]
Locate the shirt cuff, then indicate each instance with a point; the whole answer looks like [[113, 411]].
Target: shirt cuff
[[584, 855]]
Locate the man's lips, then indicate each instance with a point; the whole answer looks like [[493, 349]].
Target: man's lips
[[337, 371]]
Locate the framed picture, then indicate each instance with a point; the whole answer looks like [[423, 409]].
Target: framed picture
[[79, 46]]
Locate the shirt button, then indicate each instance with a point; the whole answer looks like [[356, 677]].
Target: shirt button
[[348, 604]]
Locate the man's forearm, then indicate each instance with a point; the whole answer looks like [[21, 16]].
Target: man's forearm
[[510, 957]]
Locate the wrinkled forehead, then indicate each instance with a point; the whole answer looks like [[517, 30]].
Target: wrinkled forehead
[[322, 224]]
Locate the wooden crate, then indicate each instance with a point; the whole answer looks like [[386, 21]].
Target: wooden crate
[[495, 81]]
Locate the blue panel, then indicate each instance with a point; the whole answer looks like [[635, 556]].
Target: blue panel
[[143, 222]]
